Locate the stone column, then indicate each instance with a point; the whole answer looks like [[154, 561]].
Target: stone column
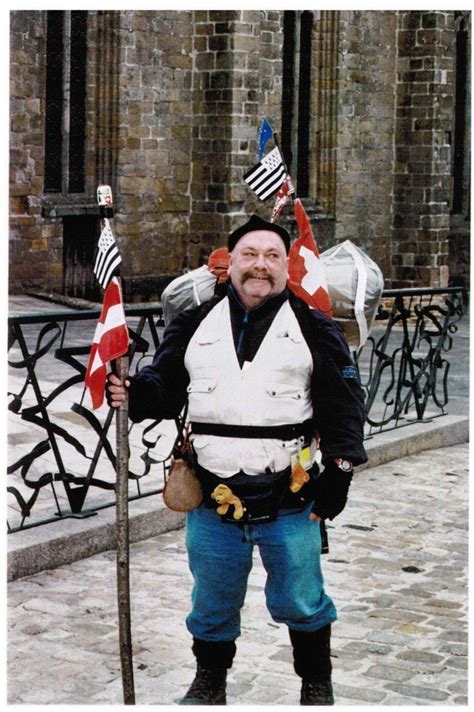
[[365, 129], [237, 81], [422, 180]]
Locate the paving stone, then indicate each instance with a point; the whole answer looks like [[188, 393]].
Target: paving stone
[[455, 649], [362, 648], [419, 656], [446, 623], [457, 662], [423, 693], [385, 636], [396, 614], [389, 672], [362, 694], [458, 686]]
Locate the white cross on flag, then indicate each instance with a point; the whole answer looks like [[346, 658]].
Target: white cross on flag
[[267, 176], [108, 257], [110, 342], [306, 276]]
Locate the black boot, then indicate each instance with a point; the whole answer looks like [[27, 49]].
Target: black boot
[[312, 661], [316, 693], [207, 688], [213, 661]]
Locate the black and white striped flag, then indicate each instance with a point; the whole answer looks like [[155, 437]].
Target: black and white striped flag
[[108, 257], [267, 176]]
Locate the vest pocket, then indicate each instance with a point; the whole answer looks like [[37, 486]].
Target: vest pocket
[[287, 402], [201, 400], [285, 390]]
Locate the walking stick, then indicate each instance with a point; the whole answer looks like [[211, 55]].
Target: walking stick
[[122, 542], [104, 197]]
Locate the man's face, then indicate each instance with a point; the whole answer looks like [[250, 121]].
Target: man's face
[[258, 267]]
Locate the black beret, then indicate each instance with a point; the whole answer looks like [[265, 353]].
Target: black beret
[[258, 223]]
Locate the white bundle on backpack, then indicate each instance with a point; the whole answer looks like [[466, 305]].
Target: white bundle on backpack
[[355, 286], [188, 290]]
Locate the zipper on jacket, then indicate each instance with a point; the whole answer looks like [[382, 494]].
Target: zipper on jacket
[[242, 332]]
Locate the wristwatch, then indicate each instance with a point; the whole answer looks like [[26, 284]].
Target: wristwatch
[[344, 465]]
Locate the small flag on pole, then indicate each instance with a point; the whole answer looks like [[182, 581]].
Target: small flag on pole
[[110, 341], [266, 132], [306, 272], [267, 176], [282, 198], [108, 257]]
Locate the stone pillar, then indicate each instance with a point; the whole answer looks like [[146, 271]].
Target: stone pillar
[[237, 81], [365, 128], [422, 180], [35, 254], [154, 139], [324, 109]]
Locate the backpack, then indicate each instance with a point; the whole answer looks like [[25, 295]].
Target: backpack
[[196, 286], [355, 286]]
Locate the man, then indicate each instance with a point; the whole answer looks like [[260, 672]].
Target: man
[[264, 377]]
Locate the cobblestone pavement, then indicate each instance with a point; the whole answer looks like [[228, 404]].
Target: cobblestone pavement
[[397, 569]]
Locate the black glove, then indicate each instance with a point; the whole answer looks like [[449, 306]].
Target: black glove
[[331, 488]]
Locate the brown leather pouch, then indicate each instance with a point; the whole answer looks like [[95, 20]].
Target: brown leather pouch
[[182, 491]]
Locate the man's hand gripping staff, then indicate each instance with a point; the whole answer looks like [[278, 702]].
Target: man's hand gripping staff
[[115, 390]]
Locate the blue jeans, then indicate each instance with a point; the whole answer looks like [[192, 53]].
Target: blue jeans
[[220, 559]]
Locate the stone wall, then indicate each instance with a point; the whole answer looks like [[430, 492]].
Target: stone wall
[[365, 128], [422, 177], [237, 81], [173, 106], [154, 147], [34, 250]]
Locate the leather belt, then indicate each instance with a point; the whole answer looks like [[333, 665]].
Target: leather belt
[[287, 431]]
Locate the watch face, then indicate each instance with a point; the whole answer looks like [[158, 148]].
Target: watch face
[[346, 465]]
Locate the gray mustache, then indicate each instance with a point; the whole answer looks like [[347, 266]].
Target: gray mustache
[[257, 275]]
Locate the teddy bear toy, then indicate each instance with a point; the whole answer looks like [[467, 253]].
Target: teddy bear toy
[[299, 477], [224, 497]]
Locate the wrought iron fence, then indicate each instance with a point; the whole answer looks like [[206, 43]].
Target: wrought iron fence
[[64, 455], [404, 366]]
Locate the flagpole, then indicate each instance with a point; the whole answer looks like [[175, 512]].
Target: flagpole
[[104, 198], [122, 542], [277, 144]]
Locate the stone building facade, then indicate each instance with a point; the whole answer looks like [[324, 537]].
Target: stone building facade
[[372, 110]]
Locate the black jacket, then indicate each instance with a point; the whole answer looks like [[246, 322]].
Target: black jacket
[[159, 391]]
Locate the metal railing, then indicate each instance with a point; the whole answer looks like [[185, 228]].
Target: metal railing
[[65, 459], [404, 366]]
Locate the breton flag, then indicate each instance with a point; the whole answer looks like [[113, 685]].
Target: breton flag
[[267, 176], [108, 257], [306, 276], [282, 198], [110, 342]]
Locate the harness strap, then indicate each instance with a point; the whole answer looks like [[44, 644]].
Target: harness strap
[[287, 431]]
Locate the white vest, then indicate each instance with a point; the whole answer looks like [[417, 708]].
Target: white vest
[[273, 389]]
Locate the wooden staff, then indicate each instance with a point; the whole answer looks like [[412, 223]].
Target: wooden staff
[[122, 542], [104, 198]]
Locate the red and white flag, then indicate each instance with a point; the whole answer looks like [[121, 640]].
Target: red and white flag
[[282, 198], [306, 276], [110, 342]]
